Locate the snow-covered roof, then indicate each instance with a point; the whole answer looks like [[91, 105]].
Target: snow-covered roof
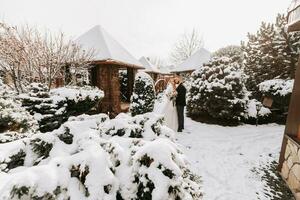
[[149, 67], [105, 47], [294, 4], [195, 61], [164, 70]]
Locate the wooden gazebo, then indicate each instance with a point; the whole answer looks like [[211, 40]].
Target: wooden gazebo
[[110, 57], [289, 162]]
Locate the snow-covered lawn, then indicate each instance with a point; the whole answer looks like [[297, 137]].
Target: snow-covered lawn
[[225, 156]]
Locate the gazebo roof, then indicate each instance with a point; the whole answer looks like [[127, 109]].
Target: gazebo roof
[[149, 67], [195, 61], [106, 48]]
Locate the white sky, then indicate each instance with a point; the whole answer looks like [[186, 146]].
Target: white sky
[[148, 27]]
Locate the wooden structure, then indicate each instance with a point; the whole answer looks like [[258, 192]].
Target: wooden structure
[[150, 69], [110, 58], [160, 76], [289, 161], [105, 75]]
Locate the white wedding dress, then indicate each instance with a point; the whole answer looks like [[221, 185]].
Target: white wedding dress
[[167, 108]]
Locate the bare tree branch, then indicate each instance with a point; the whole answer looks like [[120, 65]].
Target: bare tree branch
[[186, 46], [27, 56]]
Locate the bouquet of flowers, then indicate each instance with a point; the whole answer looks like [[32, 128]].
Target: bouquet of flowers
[[172, 96]]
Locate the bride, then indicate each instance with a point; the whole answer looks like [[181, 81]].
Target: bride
[[167, 106]]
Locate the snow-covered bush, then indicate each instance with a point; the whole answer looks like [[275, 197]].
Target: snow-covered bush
[[80, 160], [15, 118], [280, 91], [15, 121], [148, 126], [252, 115], [53, 108], [78, 99], [276, 87], [143, 97], [123, 78], [218, 91]]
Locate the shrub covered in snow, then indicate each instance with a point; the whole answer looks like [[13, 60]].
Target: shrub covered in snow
[[276, 87], [53, 108], [86, 158], [78, 99], [15, 121], [218, 91], [253, 115], [15, 118], [280, 91], [143, 97]]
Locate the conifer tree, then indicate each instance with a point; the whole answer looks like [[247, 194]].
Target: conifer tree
[[270, 53], [218, 91], [143, 97]]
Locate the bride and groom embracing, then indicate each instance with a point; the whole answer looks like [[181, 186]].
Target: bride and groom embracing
[[173, 104]]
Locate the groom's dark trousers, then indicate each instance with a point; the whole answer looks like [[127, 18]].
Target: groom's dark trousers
[[180, 114], [180, 103]]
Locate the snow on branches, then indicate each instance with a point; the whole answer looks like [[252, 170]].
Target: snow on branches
[[143, 97], [276, 87], [53, 108], [218, 90], [27, 55], [86, 159]]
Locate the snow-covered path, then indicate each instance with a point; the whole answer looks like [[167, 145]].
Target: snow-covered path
[[224, 157]]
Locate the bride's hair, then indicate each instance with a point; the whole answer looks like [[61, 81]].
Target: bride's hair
[[172, 82]]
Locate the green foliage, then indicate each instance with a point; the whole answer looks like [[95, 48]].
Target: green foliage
[[41, 148], [143, 97], [52, 113], [280, 92], [19, 191], [123, 78], [270, 53], [66, 137], [218, 91], [77, 172], [14, 161], [144, 189], [15, 118]]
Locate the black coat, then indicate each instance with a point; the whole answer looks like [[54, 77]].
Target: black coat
[[181, 92]]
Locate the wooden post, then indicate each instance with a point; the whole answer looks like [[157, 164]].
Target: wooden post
[[293, 118], [108, 81], [115, 92], [94, 76]]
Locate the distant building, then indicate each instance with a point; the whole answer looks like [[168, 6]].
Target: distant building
[[110, 58], [194, 62]]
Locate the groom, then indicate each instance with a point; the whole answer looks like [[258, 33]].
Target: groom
[[180, 102]]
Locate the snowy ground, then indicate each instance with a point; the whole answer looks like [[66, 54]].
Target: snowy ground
[[225, 156]]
